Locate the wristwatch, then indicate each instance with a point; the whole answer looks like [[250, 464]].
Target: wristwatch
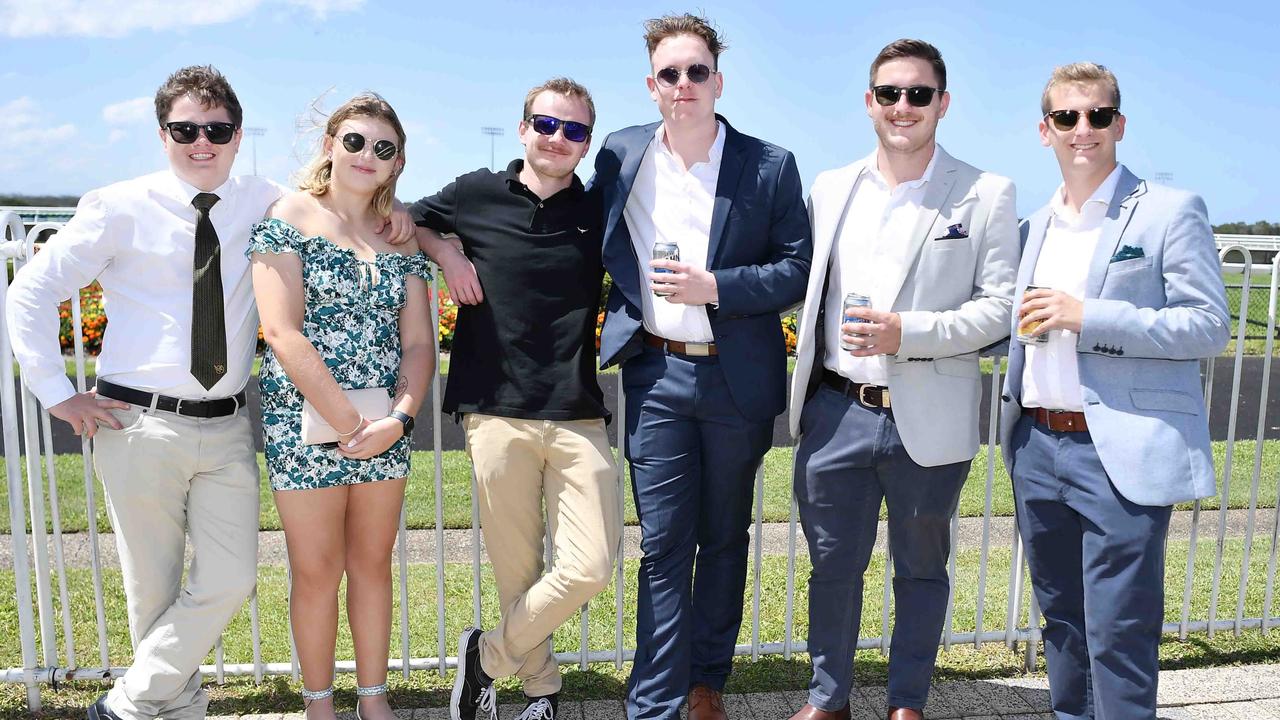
[[405, 418]]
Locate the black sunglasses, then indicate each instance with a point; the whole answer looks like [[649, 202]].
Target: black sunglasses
[[384, 149], [547, 125], [1100, 118], [670, 76], [917, 95], [185, 133]]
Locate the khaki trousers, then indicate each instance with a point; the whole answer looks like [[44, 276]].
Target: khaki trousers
[[521, 465], [167, 478]]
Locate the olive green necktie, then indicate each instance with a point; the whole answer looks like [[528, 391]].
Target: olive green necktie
[[208, 323]]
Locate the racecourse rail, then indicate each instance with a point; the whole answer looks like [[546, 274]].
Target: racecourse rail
[[43, 662]]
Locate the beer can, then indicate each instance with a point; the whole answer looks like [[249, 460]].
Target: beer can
[[853, 300], [665, 251], [1025, 329]]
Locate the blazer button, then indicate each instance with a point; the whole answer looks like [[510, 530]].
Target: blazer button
[[1006, 398], [1097, 348]]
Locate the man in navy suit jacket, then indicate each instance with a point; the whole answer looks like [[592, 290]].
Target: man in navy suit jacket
[[1104, 425], [703, 362]]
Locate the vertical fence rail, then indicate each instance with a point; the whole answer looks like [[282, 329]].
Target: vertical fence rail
[[37, 553]]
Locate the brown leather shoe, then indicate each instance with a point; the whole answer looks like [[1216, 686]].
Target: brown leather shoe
[[905, 714], [809, 712], [706, 704]]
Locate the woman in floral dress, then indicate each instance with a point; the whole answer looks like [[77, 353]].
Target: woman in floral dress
[[342, 309]]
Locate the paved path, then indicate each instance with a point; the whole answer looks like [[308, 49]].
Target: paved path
[[458, 543], [1230, 693]]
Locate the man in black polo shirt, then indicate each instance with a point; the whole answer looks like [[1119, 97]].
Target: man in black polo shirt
[[522, 376]]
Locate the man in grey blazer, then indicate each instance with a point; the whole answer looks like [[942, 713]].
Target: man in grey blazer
[[886, 404], [1104, 426]]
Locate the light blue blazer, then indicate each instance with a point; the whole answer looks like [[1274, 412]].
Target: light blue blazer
[[1154, 306]]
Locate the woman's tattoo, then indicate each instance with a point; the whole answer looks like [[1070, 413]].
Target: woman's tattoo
[[402, 384]]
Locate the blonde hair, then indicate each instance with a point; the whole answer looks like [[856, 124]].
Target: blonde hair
[[316, 177], [1081, 72], [560, 86]]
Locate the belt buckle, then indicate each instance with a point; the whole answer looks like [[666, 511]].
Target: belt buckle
[[862, 395], [697, 349], [177, 408]]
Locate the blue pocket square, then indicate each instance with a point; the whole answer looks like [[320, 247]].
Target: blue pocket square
[[954, 232], [1128, 252]]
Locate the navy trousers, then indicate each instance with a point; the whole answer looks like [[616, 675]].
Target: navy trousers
[[1097, 567], [693, 464], [849, 459]]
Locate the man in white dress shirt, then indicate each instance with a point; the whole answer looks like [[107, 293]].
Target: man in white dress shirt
[[886, 401], [173, 444], [1103, 423], [703, 364]]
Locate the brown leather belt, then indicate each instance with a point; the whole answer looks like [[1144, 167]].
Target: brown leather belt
[[1058, 420], [873, 396], [680, 348]]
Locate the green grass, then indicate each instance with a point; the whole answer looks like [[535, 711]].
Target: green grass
[[420, 496], [604, 680]]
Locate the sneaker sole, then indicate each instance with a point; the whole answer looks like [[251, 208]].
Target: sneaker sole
[[460, 679]]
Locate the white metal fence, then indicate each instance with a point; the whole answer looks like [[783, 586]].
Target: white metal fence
[[38, 617]]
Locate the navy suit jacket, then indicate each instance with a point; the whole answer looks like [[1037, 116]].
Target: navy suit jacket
[[759, 250]]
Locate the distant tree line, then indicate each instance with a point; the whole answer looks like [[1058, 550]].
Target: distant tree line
[[1262, 227], [39, 200]]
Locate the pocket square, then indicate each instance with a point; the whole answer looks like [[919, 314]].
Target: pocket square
[[954, 232], [1128, 252]]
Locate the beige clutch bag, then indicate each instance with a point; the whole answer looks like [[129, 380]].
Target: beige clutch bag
[[371, 403]]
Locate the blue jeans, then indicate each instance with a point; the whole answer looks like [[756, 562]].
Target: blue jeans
[[849, 459]]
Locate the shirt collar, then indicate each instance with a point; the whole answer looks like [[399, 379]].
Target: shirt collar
[[871, 167], [188, 192], [713, 155], [512, 176], [1102, 196]]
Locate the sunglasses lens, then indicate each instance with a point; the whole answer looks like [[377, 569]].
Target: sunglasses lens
[[353, 142], [1065, 120], [575, 131], [184, 133], [887, 94], [545, 124], [698, 73], [1101, 118], [385, 149], [219, 133], [668, 77], [919, 96]]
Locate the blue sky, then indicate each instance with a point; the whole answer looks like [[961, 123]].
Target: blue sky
[[1200, 81]]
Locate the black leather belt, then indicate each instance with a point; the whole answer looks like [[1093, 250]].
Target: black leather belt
[[220, 407], [875, 396]]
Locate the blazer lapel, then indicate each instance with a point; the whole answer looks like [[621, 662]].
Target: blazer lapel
[[731, 161], [935, 196], [617, 250], [1128, 190]]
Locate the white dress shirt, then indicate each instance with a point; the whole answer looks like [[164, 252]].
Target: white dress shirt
[[869, 252], [670, 204], [137, 238], [1051, 377]]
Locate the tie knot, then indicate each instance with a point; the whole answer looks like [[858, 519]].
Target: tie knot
[[204, 201]]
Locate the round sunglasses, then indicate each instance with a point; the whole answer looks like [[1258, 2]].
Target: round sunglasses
[[185, 133], [917, 95], [670, 76], [547, 125], [383, 149], [1100, 118]]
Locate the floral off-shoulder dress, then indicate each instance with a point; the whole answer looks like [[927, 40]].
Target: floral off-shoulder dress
[[352, 317]]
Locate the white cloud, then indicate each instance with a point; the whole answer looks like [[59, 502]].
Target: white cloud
[[116, 135], [26, 134], [127, 112], [94, 18]]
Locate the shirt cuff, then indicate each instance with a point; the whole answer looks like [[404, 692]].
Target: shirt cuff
[[51, 390]]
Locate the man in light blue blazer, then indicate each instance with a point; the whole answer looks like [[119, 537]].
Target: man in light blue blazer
[[1104, 424], [702, 354]]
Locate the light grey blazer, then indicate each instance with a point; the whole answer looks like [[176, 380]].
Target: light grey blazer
[[954, 297], [1154, 306]]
